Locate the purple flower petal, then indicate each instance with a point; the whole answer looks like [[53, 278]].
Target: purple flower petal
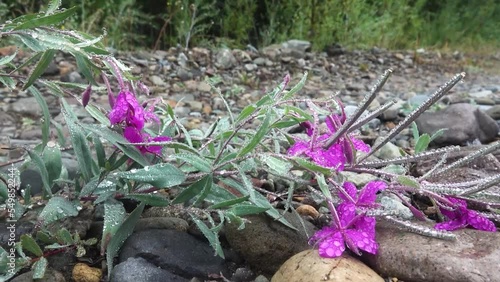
[[132, 135], [368, 194], [332, 246], [300, 147], [363, 240], [480, 222], [351, 190], [360, 145], [156, 149]]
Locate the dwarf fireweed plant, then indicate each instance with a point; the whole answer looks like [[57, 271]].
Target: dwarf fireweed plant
[[138, 149]]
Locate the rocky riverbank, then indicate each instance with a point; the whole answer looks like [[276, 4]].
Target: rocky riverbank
[[165, 244]]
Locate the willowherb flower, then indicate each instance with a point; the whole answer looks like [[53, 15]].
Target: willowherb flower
[[127, 109], [133, 135], [336, 155], [462, 217], [355, 231], [366, 196]]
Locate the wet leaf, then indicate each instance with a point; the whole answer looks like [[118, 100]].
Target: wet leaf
[[29, 244], [57, 208]]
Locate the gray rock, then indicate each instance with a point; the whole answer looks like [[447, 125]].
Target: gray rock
[[473, 257], [184, 74], [481, 94], [156, 80], [266, 244], [161, 223], [259, 61], [50, 276], [465, 123], [225, 59], [139, 269], [176, 251], [388, 151], [494, 112], [73, 77], [299, 45], [250, 67], [51, 69]]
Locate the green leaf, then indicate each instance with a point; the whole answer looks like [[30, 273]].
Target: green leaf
[[7, 81], [207, 187], [312, 166], [30, 245], [408, 181], [53, 162], [246, 112], [84, 65], [99, 150], [262, 201], [155, 200], [296, 88], [123, 232], [160, 175], [212, 236], [40, 68], [323, 186], [229, 203], [44, 237], [7, 59], [438, 133], [31, 43], [194, 189], [246, 209], [53, 6], [64, 237], [259, 135], [422, 143], [46, 20], [57, 208], [280, 166], [117, 140], [414, 130], [395, 169], [44, 174], [98, 115], [46, 115], [114, 214], [39, 268], [196, 161]]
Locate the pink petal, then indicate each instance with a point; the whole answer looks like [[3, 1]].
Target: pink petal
[[360, 145], [299, 148], [452, 224], [346, 212], [351, 190], [120, 109], [133, 135], [362, 240], [156, 149], [368, 194], [332, 246], [480, 222]]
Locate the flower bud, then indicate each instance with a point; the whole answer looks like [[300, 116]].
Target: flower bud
[[86, 95]]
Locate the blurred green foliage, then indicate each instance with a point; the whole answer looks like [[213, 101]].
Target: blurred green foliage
[[394, 24]]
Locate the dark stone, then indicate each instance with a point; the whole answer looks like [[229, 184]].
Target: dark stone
[[139, 269], [175, 251]]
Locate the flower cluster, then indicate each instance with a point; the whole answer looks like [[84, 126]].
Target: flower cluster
[[350, 225], [461, 217], [336, 155], [127, 111]]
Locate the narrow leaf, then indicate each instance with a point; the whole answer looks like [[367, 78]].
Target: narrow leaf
[[193, 190], [161, 175], [422, 143], [30, 245], [123, 232], [211, 236], [7, 59], [155, 200], [47, 20], [245, 209], [39, 268], [259, 135], [40, 68], [44, 174], [229, 203], [196, 161], [57, 208], [46, 115]]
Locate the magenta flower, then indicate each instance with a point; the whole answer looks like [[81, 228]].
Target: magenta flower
[[355, 231], [462, 217], [366, 196], [133, 135], [127, 109], [331, 157], [337, 154]]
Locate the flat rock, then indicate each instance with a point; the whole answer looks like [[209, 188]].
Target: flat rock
[[175, 251], [309, 266], [266, 244], [473, 257], [465, 123], [139, 269]]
